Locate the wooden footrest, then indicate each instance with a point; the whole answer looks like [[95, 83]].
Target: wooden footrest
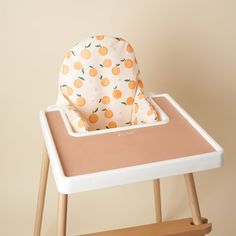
[[183, 227]]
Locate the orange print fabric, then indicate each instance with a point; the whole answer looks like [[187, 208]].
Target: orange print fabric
[[100, 86]]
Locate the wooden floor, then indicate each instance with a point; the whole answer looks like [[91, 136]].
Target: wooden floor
[[183, 227]]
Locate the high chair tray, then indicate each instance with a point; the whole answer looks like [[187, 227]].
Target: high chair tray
[[125, 156]]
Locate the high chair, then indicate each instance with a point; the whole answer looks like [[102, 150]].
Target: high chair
[[100, 109]]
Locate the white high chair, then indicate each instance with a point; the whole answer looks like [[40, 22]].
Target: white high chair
[[101, 105]]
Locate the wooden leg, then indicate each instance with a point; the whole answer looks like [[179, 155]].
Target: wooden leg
[[62, 214], [193, 200], [41, 193], [157, 197]]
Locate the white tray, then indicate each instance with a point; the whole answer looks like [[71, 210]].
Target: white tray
[[134, 173]]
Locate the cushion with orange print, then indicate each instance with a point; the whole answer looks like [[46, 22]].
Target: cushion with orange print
[[100, 79]]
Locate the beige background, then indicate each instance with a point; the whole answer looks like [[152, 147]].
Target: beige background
[[185, 47]]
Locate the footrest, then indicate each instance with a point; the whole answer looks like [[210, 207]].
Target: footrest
[[183, 227]]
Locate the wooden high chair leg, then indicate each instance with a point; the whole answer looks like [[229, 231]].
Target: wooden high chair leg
[[193, 200], [62, 214], [41, 193], [157, 197], [195, 226]]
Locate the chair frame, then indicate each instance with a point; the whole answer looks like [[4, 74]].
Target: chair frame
[[195, 226]]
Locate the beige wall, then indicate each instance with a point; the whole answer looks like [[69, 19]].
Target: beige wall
[[185, 47]]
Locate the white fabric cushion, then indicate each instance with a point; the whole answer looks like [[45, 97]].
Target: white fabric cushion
[[100, 86]]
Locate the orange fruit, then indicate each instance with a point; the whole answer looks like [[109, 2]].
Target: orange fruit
[[150, 112], [140, 83], [93, 118], [128, 63], [78, 83], [93, 72], [132, 84], [81, 124], [69, 91], [103, 50], [108, 113], [107, 63], [105, 100], [86, 54], [67, 54], [65, 69], [129, 48], [105, 82], [116, 94], [80, 101], [115, 70], [112, 124], [100, 37], [129, 101], [77, 65], [136, 108]]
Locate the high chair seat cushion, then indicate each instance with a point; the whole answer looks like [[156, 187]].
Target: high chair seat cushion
[[100, 86]]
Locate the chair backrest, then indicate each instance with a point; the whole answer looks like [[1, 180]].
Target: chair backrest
[[100, 76]]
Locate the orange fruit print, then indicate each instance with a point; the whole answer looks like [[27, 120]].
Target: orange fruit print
[[101, 78], [129, 48], [69, 91], [68, 54], [112, 124], [103, 51], [65, 69], [116, 70], [78, 65], [140, 83], [130, 100], [116, 93], [78, 83], [80, 101], [99, 37], [108, 113], [105, 82], [93, 118], [105, 100], [128, 63], [93, 72], [86, 54], [107, 63]]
